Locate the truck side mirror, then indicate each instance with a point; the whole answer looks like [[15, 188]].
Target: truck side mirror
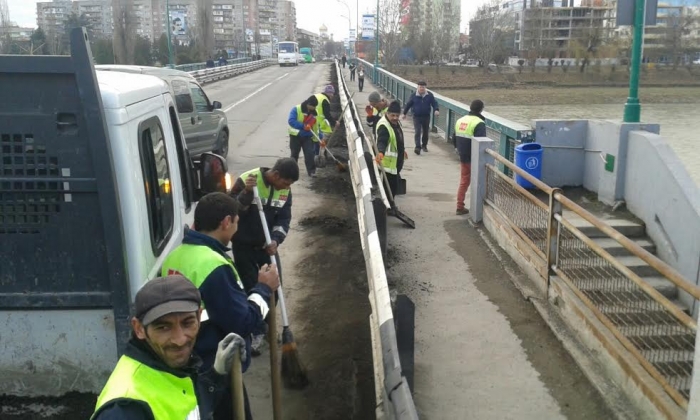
[[213, 174], [216, 105]]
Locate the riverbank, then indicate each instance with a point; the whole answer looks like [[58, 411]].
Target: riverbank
[[460, 77], [572, 96]]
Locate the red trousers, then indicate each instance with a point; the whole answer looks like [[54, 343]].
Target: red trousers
[[465, 179]]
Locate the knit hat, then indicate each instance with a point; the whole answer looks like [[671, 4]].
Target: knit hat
[[329, 89], [375, 97], [394, 107]]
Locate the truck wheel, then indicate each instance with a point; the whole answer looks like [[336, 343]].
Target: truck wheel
[[222, 144]]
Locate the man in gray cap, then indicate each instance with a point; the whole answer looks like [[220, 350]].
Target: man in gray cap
[[157, 377], [376, 109]]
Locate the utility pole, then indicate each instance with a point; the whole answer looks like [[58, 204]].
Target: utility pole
[[633, 108], [168, 30]]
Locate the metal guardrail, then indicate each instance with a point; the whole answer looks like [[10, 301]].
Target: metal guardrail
[[394, 399], [659, 334], [505, 133], [201, 66], [217, 73]]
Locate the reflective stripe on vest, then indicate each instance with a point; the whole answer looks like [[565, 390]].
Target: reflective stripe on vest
[[325, 127], [465, 126], [196, 262], [279, 197], [391, 155], [168, 396]]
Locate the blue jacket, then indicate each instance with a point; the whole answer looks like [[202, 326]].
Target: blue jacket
[[227, 304], [421, 105], [300, 126]]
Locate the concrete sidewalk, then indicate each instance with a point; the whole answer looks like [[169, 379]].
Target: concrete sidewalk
[[482, 350]]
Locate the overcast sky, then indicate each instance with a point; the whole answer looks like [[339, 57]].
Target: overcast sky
[[309, 15]]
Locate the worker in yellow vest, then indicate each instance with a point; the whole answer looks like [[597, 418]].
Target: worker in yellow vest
[[203, 259], [323, 110], [376, 109], [157, 376], [390, 143], [470, 126], [303, 122]]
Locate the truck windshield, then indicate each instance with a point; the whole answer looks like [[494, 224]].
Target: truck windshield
[[287, 47]]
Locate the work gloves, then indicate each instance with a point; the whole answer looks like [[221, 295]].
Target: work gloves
[[369, 110], [227, 351]]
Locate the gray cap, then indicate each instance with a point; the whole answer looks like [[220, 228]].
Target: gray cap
[[375, 97], [166, 295]]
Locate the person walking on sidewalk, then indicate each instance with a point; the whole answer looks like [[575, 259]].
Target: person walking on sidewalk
[[375, 110], [303, 122], [203, 259], [390, 144], [423, 104], [470, 126], [352, 68], [361, 77], [344, 60]]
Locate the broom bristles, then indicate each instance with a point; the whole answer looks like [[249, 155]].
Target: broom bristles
[[293, 372]]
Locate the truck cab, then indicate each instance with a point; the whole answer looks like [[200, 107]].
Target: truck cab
[[96, 188]]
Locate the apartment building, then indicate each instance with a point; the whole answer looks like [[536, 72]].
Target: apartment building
[[229, 34], [314, 39], [51, 16], [98, 13], [286, 20]]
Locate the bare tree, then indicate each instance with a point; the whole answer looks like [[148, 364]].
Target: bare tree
[[489, 32], [204, 32], [391, 37], [124, 37], [678, 39], [5, 23]]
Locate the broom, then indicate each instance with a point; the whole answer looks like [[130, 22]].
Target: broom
[[293, 372]]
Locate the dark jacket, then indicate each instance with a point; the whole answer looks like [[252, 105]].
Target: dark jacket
[[383, 143], [292, 121], [352, 67], [421, 104], [209, 386], [250, 231], [372, 121], [464, 144], [327, 111], [227, 304]]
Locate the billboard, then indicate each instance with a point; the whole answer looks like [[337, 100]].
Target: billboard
[[353, 35], [178, 22], [405, 12], [368, 27]]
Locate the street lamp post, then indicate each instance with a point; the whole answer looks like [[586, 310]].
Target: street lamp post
[[376, 46], [349, 20], [633, 108]]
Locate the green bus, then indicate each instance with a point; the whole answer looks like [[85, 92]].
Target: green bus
[[307, 53]]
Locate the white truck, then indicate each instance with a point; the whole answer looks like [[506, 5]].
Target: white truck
[[96, 187]]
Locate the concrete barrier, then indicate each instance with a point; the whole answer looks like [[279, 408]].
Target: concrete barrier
[[394, 399], [224, 72]]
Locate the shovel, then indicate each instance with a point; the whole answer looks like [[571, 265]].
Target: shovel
[[396, 212]]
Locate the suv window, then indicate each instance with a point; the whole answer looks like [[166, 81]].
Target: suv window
[[183, 99], [156, 174], [201, 102]]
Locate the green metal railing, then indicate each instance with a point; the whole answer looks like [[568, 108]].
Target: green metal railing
[[507, 134]]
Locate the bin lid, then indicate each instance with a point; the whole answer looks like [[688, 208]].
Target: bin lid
[[528, 147]]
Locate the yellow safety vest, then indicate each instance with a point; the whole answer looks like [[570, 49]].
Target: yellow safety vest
[[325, 127], [300, 117], [169, 397], [391, 155], [278, 198], [465, 126]]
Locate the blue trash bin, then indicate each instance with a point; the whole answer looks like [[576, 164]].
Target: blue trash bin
[[528, 156]]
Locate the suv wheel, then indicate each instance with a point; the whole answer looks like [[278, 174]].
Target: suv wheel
[[222, 144]]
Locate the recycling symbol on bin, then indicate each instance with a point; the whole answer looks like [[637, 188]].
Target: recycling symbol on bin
[[532, 163]]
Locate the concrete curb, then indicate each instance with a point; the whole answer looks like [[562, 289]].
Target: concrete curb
[[394, 399]]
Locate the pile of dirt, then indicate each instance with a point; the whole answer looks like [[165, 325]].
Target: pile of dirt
[[71, 406], [330, 181], [330, 225]]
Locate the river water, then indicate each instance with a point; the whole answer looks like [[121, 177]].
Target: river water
[[680, 123]]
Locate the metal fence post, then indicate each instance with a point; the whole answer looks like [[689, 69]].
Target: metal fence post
[[448, 126], [553, 235]]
